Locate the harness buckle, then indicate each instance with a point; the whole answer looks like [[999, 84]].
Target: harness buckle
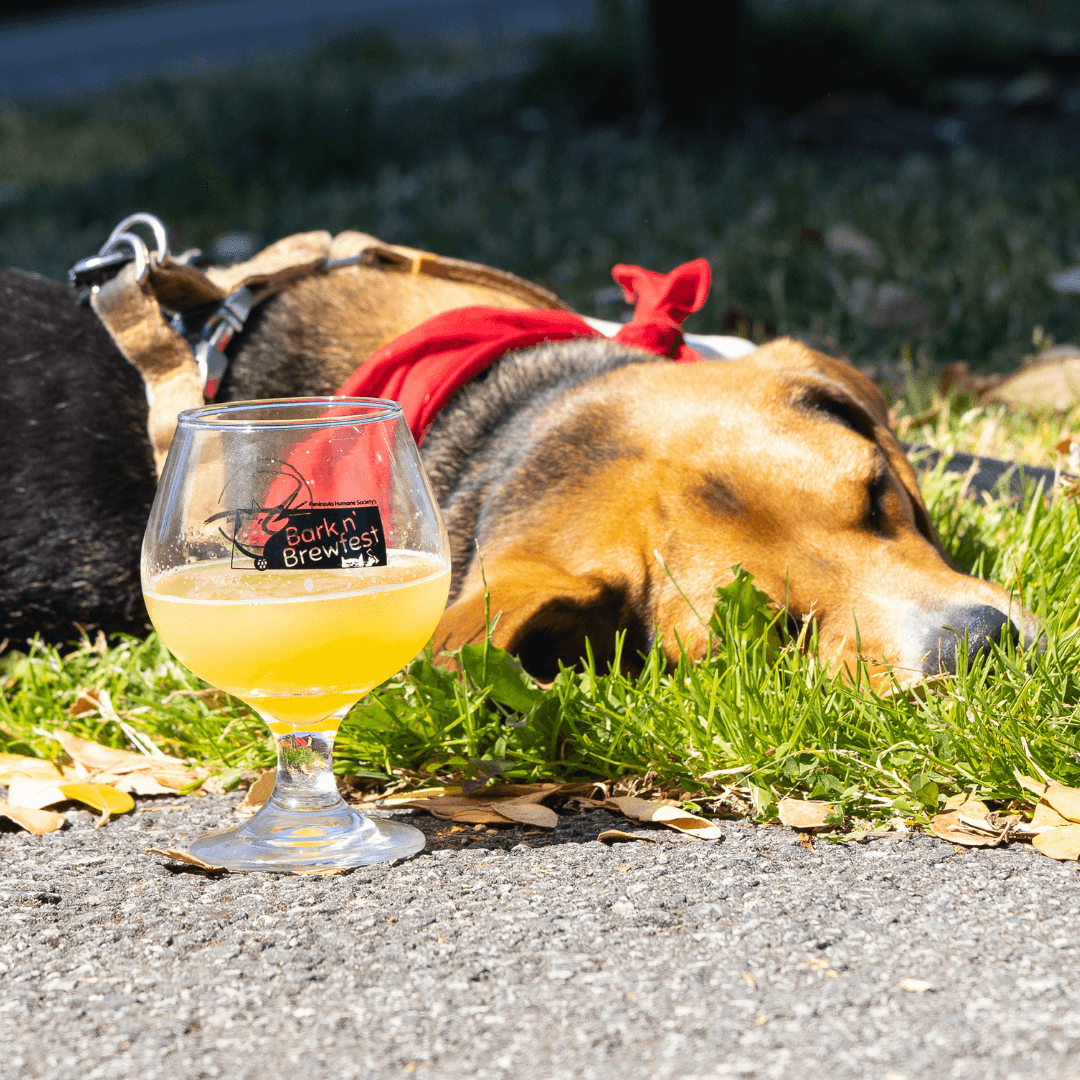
[[218, 331]]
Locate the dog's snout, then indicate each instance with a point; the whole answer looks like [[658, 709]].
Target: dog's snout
[[974, 626]]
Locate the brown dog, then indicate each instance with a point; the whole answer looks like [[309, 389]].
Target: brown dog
[[606, 491]]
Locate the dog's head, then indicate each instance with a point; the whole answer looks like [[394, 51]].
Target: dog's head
[[634, 496]]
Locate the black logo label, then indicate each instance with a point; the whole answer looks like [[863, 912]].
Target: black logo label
[[290, 533], [334, 538]]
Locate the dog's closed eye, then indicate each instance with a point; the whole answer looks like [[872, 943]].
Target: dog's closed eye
[[877, 517], [829, 403]]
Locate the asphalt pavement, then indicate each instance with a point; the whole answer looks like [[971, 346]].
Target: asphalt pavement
[[537, 957]]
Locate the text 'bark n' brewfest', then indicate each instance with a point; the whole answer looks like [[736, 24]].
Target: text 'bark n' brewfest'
[[339, 537]]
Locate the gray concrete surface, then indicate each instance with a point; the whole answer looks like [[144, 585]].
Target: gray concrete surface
[[485, 958]]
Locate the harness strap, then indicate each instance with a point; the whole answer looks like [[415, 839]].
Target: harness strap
[[132, 316], [175, 378], [351, 247]]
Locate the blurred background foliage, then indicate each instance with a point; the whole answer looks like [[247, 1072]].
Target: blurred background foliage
[[894, 182]]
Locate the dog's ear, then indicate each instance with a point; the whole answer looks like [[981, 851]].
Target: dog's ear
[[545, 615]]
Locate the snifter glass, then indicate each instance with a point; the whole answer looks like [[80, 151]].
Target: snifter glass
[[295, 558]]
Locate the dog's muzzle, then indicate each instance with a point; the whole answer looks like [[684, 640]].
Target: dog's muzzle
[[970, 629]]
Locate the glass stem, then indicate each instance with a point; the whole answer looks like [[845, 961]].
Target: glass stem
[[305, 776]]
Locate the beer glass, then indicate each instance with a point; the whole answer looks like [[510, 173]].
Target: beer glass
[[295, 558]]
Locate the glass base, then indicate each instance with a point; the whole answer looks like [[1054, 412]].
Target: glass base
[[283, 840]]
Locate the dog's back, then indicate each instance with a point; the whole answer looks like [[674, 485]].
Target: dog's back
[[78, 477]]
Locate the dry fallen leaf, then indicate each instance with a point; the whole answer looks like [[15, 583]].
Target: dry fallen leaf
[[674, 818], [38, 822], [967, 803], [804, 813], [101, 797], [617, 836], [12, 765], [1046, 815], [579, 802], [499, 804], [664, 812], [125, 770], [178, 855], [968, 831], [634, 808], [477, 815], [85, 701], [1061, 843], [35, 794], [258, 793], [1065, 800], [527, 813], [1051, 384], [410, 796]]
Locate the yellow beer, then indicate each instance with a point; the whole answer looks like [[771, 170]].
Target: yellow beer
[[299, 645]]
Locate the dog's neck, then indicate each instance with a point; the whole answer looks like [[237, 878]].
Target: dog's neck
[[466, 448]]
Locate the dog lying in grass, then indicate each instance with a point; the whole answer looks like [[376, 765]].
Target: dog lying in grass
[[603, 489]]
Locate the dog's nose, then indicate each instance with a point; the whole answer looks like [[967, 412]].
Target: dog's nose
[[980, 625]]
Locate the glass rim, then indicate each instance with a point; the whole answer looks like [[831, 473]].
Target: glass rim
[[230, 415]]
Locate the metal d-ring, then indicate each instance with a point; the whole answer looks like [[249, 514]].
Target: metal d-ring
[[138, 248], [161, 238], [88, 275]]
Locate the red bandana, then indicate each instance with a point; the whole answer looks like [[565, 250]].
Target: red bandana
[[426, 366], [423, 369]]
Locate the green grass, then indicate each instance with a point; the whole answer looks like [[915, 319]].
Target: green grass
[[758, 719]]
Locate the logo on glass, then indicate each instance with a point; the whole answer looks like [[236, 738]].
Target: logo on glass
[[333, 537], [290, 537]]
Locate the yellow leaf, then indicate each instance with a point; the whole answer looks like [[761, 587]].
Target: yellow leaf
[[258, 793], [1062, 844], [101, 797], [804, 813], [35, 768], [39, 822]]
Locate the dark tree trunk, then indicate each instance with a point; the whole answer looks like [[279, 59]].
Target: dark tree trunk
[[699, 63]]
